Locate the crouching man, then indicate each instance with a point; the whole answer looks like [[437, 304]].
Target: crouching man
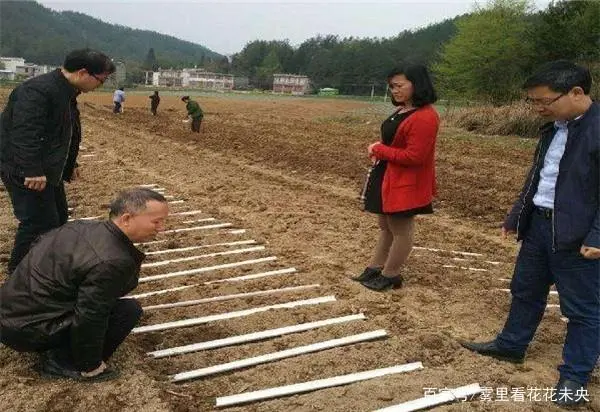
[[63, 299]]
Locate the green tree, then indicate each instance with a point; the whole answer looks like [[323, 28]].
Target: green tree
[[568, 30], [223, 65], [269, 66], [151, 63], [489, 55]]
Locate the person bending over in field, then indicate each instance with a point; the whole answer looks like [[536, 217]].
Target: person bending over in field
[[154, 102], [194, 112], [64, 298]]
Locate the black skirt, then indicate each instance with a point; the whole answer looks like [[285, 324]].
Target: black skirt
[[371, 195]]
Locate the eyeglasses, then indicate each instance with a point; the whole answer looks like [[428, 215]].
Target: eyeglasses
[[100, 80], [543, 101]]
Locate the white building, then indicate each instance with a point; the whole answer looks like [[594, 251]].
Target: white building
[[21, 69], [7, 75], [193, 78], [11, 63], [290, 83]]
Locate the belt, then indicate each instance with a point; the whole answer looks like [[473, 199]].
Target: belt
[[547, 213]]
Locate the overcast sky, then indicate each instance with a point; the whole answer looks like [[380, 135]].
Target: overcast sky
[[226, 26]]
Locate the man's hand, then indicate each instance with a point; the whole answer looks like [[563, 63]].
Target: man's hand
[[507, 232], [589, 252], [37, 183], [95, 372]]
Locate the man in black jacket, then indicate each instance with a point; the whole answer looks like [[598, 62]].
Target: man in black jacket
[[39, 141], [557, 215], [63, 299]]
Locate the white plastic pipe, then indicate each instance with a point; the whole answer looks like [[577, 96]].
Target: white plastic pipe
[[158, 292], [223, 232], [206, 255], [189, 229], [149, 185], [208, 219], [465, 268], [458, 252], [254, 276], [552, 292], [450, 395], [230, 297], [253, 337], [176, 202], [189, 213], [206, 269], [85, 218], [467, 260], [270, 357], [315, 385], [231, 315], [187, 249]]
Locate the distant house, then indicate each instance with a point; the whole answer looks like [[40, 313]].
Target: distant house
[[21, 69], [291, 83], [7, 75], [193, 78], [117, 79], [28, 70], [241, 83], [11, 63], [207, 80]]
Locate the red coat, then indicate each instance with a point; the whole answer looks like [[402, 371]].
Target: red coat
[[409, 179]]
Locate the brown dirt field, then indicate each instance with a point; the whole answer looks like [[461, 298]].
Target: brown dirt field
[[289, 171]]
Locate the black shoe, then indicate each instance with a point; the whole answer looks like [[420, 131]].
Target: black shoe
[[368, 273], [381, 283], [569, 394], [50, 368], [491, 349]]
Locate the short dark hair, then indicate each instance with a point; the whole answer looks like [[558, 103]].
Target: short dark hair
[[133, 201], [122, 89], [184, 98], [424, 92], [561, 76], [94, 62]]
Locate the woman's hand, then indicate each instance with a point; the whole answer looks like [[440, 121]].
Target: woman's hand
[[370, 152]]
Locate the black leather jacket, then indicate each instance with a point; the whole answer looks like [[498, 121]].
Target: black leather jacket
[[68, 283], [40, 129]]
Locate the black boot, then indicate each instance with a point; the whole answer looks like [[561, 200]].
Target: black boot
[[368, 273], [570, 393], [52, 367], [491, 349], [381, 283]]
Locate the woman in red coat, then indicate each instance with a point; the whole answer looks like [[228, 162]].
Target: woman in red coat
[[401, 183]]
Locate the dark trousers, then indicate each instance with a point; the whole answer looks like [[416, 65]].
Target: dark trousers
[[153, 109], [578, 283], [196, 122], [117, 108], [37, 213], [123, 318]]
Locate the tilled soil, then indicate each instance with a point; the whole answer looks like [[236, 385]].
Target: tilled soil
[[289, 171]]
